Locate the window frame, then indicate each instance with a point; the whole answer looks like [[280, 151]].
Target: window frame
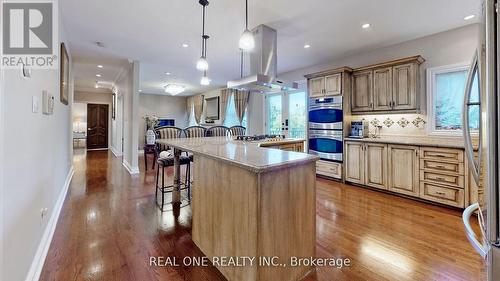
[[431, 91]]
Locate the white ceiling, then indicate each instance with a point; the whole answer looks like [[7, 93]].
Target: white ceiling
[[152, 32]]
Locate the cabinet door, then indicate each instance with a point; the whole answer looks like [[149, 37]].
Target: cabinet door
[[316, 87], [404, 90], [333, 84], [382, 88], [376, 165], [403, 169], [362, 91], [355, 162]]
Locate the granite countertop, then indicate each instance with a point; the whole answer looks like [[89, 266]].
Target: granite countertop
[[445, 142], [247, 155]]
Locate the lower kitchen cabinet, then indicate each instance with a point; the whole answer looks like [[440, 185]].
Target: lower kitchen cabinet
[[355, 162], [403, 169], [376, 165]]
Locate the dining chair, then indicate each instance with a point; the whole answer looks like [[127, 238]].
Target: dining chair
[[195, 132], [217, 131], [237, 131]]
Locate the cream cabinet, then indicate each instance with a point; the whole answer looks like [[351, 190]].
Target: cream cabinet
[[362, 91], [382, 89], [325, 86], [355, 162], [329, 169], [404, 91], [376, 165], [403, 169], [387, 87], [366, 164]]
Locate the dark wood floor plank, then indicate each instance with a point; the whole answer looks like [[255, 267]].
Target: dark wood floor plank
[[110, 226]]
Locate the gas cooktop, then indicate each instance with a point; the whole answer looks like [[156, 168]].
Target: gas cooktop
[[260, 137]]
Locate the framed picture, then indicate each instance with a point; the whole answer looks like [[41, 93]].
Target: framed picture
[[113, 107], [64, 82], [212, 110]]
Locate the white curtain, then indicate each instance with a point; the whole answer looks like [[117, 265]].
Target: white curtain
[[225, 94], [198, 108]]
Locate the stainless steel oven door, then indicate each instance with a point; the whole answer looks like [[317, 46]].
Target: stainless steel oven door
[[326, 144], [326, 116]]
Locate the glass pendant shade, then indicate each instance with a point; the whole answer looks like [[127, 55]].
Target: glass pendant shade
[[205, 81], [202, 64], [247, 42]]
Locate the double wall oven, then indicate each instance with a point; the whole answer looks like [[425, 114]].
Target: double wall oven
[[325, 128]]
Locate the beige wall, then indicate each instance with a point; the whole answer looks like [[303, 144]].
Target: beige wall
[[445, 48], [162, 106]]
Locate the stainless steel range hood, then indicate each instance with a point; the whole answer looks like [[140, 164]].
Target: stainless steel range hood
[[263, 66]]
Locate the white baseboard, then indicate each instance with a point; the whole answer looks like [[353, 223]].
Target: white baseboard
[[116, 152], [130, 169], [43, 248]]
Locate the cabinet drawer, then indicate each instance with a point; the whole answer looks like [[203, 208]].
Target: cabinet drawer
[[329, 169], [288, 147], [451, 180], [442, 154], [442, 194], [436, 166]]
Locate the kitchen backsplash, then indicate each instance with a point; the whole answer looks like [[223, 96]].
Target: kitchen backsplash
[[396, 124]]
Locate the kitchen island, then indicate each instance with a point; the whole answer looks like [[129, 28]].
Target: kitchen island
[[250, 201]]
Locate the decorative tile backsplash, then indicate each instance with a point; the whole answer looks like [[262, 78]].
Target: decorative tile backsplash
[[396, 124]]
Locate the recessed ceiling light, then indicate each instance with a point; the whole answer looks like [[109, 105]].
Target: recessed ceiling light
[[469, 17], [100, 66], [168, 73], [174, 89], [185, 45], [366, 25], [307, 46], [98, 75], [140, 91]]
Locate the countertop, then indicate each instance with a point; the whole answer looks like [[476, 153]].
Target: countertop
[[445, 142], [247, 155], [279, 142]]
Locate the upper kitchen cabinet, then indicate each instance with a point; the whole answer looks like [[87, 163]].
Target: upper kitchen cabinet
[[362, 91], [389, 87], [327, 83]]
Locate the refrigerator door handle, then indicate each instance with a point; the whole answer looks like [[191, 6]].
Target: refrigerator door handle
[[481, 248], [469, 150]]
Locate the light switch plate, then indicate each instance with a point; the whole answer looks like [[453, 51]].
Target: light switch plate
[[47, 103], [34, 104]]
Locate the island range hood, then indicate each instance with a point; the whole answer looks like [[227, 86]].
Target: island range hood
[[263, 66]]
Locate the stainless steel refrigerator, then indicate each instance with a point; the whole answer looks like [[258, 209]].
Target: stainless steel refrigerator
[[481, 97]]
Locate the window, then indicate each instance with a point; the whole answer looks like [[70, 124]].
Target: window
[[231, 118], [445, 89]]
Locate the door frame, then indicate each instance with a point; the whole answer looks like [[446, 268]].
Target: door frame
[[285, 114], [109, 117]]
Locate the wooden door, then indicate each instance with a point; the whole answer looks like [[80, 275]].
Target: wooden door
[[376, 165], [317, 87], [97, 126], [404, 90], [355, 162], [382, 88], [333, 84], [362, 91], [403, 169]]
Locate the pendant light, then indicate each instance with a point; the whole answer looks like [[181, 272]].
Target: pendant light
[[205, 81], [247, 42], [202, 63]]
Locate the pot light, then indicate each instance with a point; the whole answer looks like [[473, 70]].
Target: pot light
[[469, 17], [174, 89], [100, 66], [167, 73], [98, 75], [366, 25], [307, 46], [184, 45], [140, 91]]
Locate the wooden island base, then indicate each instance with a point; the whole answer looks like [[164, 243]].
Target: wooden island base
[[238, 212]]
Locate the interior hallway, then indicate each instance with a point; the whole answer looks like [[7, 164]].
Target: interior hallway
[[110, 226]]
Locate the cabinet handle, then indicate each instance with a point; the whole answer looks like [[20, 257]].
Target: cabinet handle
[[439, 167], [416, 152], [440, 179], [440, 193], [371, 104]]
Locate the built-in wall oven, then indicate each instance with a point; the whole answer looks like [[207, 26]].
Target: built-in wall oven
[[325, 127]]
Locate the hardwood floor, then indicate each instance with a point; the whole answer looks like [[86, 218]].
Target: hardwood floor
[[110, 226]]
